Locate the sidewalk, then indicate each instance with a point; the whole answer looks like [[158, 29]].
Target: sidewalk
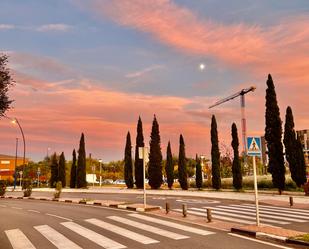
[[300, 200]]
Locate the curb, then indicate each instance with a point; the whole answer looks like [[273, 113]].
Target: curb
[[297, 242], [126, 206], [261, 235]]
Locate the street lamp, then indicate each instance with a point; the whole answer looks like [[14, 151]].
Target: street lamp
[[100, 161], [15, 121]]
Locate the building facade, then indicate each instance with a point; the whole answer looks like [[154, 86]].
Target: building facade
[[7, 166]]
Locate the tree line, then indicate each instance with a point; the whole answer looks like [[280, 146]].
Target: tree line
[[273, 135]]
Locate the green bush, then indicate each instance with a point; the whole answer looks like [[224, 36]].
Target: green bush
[[265, 184], [58, 190], [2, 188], [27, 188]]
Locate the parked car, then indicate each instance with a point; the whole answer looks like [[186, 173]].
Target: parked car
[[108, 181], [119, 181]]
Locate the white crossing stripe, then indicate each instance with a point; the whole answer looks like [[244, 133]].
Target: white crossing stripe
[[218, 217], [242, 216], [292, 210], [60, 217], [252, 213], [172, 224], [122, 231], [18, 239], [93, 236], [264, 211], [148, 228], [59, 240]]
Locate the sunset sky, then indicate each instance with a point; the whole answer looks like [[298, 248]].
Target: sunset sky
[[94, 66]]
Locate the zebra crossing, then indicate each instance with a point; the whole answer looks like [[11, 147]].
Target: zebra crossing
[[245, 214], [112, 224]]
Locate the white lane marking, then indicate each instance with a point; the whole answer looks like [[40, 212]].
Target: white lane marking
[[18, 239], [122, 231], [148, 228], [263, 211], [243, 216], [3, 206], [93, 236], [60, 217], [59, 240], [33, 211], [259, 241], [172, 224], [218, 217], [283, 208], [290, 211], [19, 208], [252, 213]]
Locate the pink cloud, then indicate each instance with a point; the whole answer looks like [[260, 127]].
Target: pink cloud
[[282, 49]]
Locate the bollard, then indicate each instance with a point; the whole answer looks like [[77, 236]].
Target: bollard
[[167, 207], [291, 201], [184, 210], [209, 218]]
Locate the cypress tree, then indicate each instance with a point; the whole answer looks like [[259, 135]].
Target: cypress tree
[[54, 170], [128, 176], [273, 133], [293, 150], [215, 155], [81, 164], [198, 173], [236, 167], [169, 167], [62, 170], [301, 165], [73, 171], [138, 163], [155, 157], [182, 166]]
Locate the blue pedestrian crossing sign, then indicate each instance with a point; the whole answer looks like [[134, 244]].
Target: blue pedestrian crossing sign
[[254, 146]]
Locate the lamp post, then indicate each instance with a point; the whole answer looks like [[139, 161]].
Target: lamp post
[[15, 173], [202, 165], [39, 172], [15, 121], [100, 162], [144, 154]]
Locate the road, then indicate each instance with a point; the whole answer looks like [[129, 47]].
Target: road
[[236, 211], [28, 224]]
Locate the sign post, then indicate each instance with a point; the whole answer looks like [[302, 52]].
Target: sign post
[[143, 154], [254, 149]]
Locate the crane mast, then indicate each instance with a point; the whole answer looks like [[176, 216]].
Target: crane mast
[[242, 109]]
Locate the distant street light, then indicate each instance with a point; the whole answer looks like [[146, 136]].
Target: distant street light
[[15, 121], [39, 172], [20, 177], [202, 66], [100, 161]]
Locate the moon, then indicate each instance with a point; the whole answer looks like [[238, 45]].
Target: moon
[[202, 66]]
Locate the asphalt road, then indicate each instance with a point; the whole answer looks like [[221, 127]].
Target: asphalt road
[[28, 224], [235, 211]]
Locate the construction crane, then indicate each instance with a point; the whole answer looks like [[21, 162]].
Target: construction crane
[[242, 108]]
